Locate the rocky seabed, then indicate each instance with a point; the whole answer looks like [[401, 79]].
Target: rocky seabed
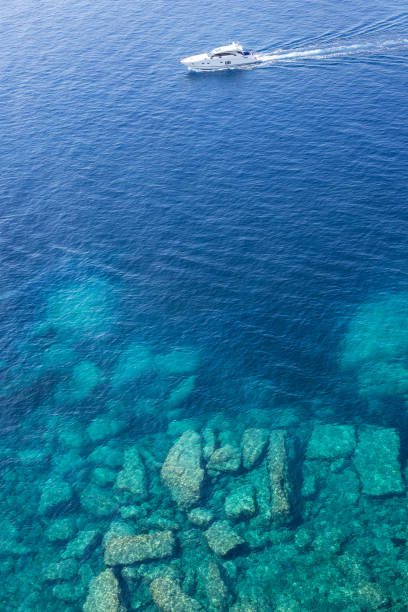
[[209, 515], [160, 502]]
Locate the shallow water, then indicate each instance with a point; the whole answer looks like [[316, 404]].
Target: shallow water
[[214, 253]]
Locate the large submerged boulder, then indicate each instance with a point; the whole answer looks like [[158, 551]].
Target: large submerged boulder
[[56, 491], [181, 360], [118, 528], [222, 538], [331, 442], [376, 461], [133, 475], [181, 392], [85, 377], [253, 445], [61, 570], [103, 595], [375, 347], [84, 542], [103, 476], [225, 459], [182, 472], [215, 588], [61, 529], [201, 517], [104, 427], [240, 504], [106, 455], [68, 592], [127, 550], [277, 462], [135, 361], [98, 501]]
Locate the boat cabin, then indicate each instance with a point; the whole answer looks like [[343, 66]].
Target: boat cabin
[[234, 49]]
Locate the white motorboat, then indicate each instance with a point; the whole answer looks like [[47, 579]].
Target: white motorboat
[[222, 58]]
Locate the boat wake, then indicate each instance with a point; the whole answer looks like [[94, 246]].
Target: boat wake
[[388, 36], [333, 51]]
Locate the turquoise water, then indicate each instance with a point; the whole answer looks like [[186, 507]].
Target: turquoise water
[[204, 297]]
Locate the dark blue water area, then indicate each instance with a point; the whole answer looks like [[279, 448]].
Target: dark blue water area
[[254, 219]]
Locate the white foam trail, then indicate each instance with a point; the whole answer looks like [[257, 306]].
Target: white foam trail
[[333, 51]]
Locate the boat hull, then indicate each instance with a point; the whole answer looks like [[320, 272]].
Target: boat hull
[[207, 64]]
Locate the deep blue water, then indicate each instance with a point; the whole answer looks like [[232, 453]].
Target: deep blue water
[[245, 213]]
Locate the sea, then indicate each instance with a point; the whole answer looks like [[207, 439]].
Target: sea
[[204, 307]]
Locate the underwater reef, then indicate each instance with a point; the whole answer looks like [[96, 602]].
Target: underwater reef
[[119, 493]]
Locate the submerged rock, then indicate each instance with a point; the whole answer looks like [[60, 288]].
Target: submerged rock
[[61, 529], [375, 347], [240, 503], [168, 596], [225, 459], [67, 592], [106, 455], [133, 475], [85, 575], [62, 570], [8, 540], [369, 596], [182, 472], [67, 463], [127, 550], [82, 544], [180, 393], [201, 517], [253, 445], [117, 529], [376, 461], [277, 463], [222, 539], [331, 442], [310, 479], [32, 457], [216, 591], [56, 491], [342, 489], [382, 380], [104, 427], [82, 308], [259, 479], [303, 538], [364, 593], [103, 595], [72, 437], [209, 442], [103, 476], [178, 361], [132, 512], [226, 433], [85, 377], [98, 501], [134, 362], [378, 331]]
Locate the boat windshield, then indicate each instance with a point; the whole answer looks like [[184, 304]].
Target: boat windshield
[[226, 53]]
